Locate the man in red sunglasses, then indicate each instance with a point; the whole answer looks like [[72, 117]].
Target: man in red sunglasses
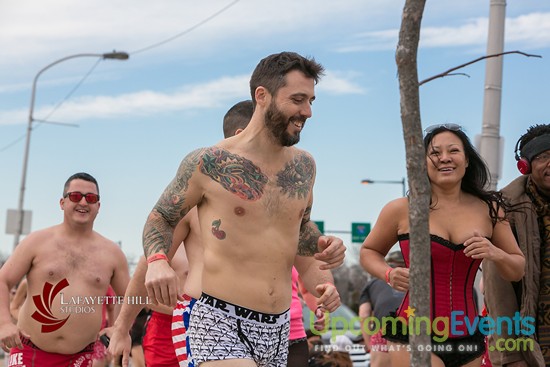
[[69, 268]]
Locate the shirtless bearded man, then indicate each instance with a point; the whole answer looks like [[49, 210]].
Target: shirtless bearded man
[[254, 197]]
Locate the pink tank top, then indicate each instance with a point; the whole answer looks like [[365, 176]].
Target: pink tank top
[[297, 330]]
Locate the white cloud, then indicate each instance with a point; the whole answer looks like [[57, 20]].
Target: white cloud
[[531, 30], [210, 94], [34, 32], [474, 32], [139, 103], [340, 83]]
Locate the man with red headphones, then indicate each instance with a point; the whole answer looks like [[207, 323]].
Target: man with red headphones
[[528, 299]]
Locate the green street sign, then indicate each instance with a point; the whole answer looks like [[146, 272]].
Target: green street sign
[[359, 231], [321, 225]]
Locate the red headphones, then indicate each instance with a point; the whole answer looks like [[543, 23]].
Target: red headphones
[[523, 164], [529, 151]]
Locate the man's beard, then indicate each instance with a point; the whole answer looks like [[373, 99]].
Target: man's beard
[[277, 124]]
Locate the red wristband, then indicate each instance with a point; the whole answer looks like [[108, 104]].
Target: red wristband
[[388, 275], [156, 257]]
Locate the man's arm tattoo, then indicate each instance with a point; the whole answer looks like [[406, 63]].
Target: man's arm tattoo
[[156, 235], [309, 236], [170, 208]]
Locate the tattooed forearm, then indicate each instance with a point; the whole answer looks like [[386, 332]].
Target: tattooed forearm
[[170, 207], [157, 235], [296, 179], [309, 236]]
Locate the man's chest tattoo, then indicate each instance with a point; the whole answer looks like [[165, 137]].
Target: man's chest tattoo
[[243, 178], [235, 173], [295, 179]]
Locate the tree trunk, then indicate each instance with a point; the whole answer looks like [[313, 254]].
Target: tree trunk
[[419, 188]]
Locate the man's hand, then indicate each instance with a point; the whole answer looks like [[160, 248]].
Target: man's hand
[[10, 337], [321, 319], [119, 345], [330, 298], [331, 251], [161, 282]]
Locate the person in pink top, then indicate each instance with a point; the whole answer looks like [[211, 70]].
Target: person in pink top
[[298, 350]]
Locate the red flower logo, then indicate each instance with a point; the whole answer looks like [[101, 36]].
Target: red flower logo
[[44, 307]]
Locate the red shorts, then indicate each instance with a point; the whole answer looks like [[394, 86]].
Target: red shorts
[[158, 348], [378, 343], [31, 355]]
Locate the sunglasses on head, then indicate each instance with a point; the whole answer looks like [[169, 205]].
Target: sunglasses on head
[[76, 196], [451, 126]]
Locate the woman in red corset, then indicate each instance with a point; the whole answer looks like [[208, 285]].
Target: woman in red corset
[[467, 225]]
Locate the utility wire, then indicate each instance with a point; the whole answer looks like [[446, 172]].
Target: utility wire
[[188, 30], [155, 45], [44, 120], [72, 91], [9, 145]]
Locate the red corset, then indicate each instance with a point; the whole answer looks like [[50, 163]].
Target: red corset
[[451, 284]]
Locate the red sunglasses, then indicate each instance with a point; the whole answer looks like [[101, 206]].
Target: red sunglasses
[[76, 196]]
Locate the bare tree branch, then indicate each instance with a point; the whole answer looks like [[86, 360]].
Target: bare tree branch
[[448, 72], [419, 198]]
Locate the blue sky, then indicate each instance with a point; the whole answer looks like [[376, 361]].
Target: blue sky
[[138, 118]]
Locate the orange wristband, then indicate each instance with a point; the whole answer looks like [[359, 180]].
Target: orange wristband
[[156, 257], [388, 276]]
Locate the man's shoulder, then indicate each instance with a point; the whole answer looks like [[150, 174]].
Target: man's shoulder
[[36, 243], [515, 188], [297, 152], [104, 241], [372, 282], [198, 152], [369, 290], [42, 235]]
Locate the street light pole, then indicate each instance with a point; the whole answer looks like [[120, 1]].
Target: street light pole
[[110, 55], [367, 181]]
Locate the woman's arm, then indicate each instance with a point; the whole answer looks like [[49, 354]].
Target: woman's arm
[[502, 249]]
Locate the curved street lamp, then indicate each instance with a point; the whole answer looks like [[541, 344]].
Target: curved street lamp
[[367, 181], [109, 55]]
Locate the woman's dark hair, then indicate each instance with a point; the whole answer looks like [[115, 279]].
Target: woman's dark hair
[[476, 177]]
